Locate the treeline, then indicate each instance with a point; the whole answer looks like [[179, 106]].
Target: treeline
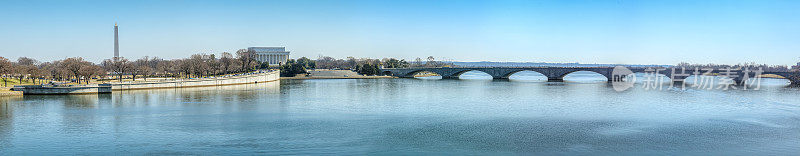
[[363, 66], [292, 68], [751, 65], [197, 65], [78, 70], [352, 63], [326, 62], [30, 69], [796, 67]]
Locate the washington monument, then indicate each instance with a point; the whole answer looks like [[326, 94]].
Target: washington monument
[[116, 41]]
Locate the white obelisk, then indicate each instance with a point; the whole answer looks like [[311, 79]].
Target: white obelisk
[[116, 41]]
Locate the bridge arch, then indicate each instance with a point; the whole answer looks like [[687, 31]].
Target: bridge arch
[[525, 75], [387, 73], [599, 76], [778, 79], [794, 78], [775, 80], [482, 74]]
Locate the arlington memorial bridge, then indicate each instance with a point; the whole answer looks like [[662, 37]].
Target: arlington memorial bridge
[[558, 73]]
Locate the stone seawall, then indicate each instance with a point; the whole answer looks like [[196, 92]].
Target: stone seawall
[[52, 90], [265, 76]]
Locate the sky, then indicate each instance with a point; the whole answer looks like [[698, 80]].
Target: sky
[[592, 31]]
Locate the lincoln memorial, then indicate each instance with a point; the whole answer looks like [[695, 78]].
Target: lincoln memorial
[[271, 55]]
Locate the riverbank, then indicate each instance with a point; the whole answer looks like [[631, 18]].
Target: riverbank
[[63, 89], [332, 74], [6, 91], [245, 78]]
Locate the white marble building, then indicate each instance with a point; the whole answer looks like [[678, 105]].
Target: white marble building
[[271, 55]]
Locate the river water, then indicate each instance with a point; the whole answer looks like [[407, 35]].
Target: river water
[[522, 116]]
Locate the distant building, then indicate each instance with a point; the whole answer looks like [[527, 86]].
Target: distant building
[[271, 55]]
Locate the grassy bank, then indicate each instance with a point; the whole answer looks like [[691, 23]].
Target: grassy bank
[[11, 82], [332, 74], [772, 76]]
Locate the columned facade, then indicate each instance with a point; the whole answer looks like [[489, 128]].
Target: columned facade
[[269, 55]]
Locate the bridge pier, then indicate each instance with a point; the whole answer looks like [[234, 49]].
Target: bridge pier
[[449, 77], [555, 79]]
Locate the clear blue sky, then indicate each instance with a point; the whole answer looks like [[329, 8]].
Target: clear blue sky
[[613, 31]]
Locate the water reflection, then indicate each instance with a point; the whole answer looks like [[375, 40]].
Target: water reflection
[[585, 77], [527, 76], [406, 117], [475, 75], [6, 120]]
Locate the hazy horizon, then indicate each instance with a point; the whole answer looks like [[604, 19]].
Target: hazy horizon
[[603, 32]]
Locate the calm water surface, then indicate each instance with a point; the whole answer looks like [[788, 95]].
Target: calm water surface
[[407, 117]]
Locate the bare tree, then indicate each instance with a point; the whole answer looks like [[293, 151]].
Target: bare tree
[[141, 67], [226, 62], [6, 68], [117, 66], [164, 67], [25, 67], [212, 65], [25, 61], [184, 66], [56, 70], [90, 70], [35, 73], [247, 60], [76, 65], [418, 62]]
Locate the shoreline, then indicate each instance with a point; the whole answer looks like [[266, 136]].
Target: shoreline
[[202, 82], [6, 92]]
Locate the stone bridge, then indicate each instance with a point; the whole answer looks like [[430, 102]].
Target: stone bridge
[[558, 73], [552, 73]]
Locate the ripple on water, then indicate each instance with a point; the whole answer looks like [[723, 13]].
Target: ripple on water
[[406, 117]]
